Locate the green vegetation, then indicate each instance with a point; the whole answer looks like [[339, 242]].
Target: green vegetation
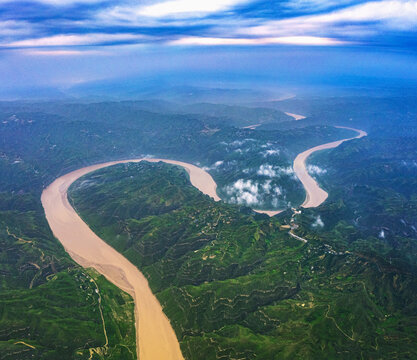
[[232, 283], [40, 141], [372, 206], [235, 286], [45, 298], [371, 112], [238, 116], [49, 306]]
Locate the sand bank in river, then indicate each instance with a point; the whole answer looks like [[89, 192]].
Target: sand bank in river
[[296, 116], [269, 212]]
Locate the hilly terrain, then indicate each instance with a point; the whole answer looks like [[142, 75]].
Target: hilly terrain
[[373, 196], [231, 282], [234, 285], [50, 307]]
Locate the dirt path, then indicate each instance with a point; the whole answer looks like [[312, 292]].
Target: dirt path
[[315, 196], [155, 337]]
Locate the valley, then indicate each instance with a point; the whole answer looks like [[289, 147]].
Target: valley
[[225, 280], [155, 337]]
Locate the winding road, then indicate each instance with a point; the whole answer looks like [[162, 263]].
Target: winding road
[[155, 336]]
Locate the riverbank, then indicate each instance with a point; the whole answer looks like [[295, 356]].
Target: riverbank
[[315, 195], [154, 334]]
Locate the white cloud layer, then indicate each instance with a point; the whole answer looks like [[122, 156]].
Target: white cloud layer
[[150, 14], [315, 170], [75, 40], [251, 193], [186, 8], [214, 166], [61, 53], [14, 28], [274, 171], [270, 153], [283, 40], [244, 192], [316, 5], [266, 170], [58, 2], [348, 25], [388, 14], [318, 222]]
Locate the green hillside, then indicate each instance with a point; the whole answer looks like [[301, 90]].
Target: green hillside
[[232, 283], [235, 286], [373, 197], [50, 307]]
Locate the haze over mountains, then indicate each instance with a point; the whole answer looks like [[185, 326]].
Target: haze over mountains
[[123, 49]]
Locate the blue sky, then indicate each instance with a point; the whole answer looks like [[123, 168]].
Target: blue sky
[[67, 42]]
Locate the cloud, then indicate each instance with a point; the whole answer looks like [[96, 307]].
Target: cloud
[[75, 40], [58, 2], [266, 170], [146, 34], [269, 189], [274, 171], [363, 19], [286, 171], [252, 193], [205, 23], [174, 10], [186, 8], [15, 28], [316, 5], [244, 192], [318, 222], [393, 13], [267, 186], [63, 52], [270, 153], [214, 166], [266, 145], [240, 142], [283, 40], [315, 170]]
